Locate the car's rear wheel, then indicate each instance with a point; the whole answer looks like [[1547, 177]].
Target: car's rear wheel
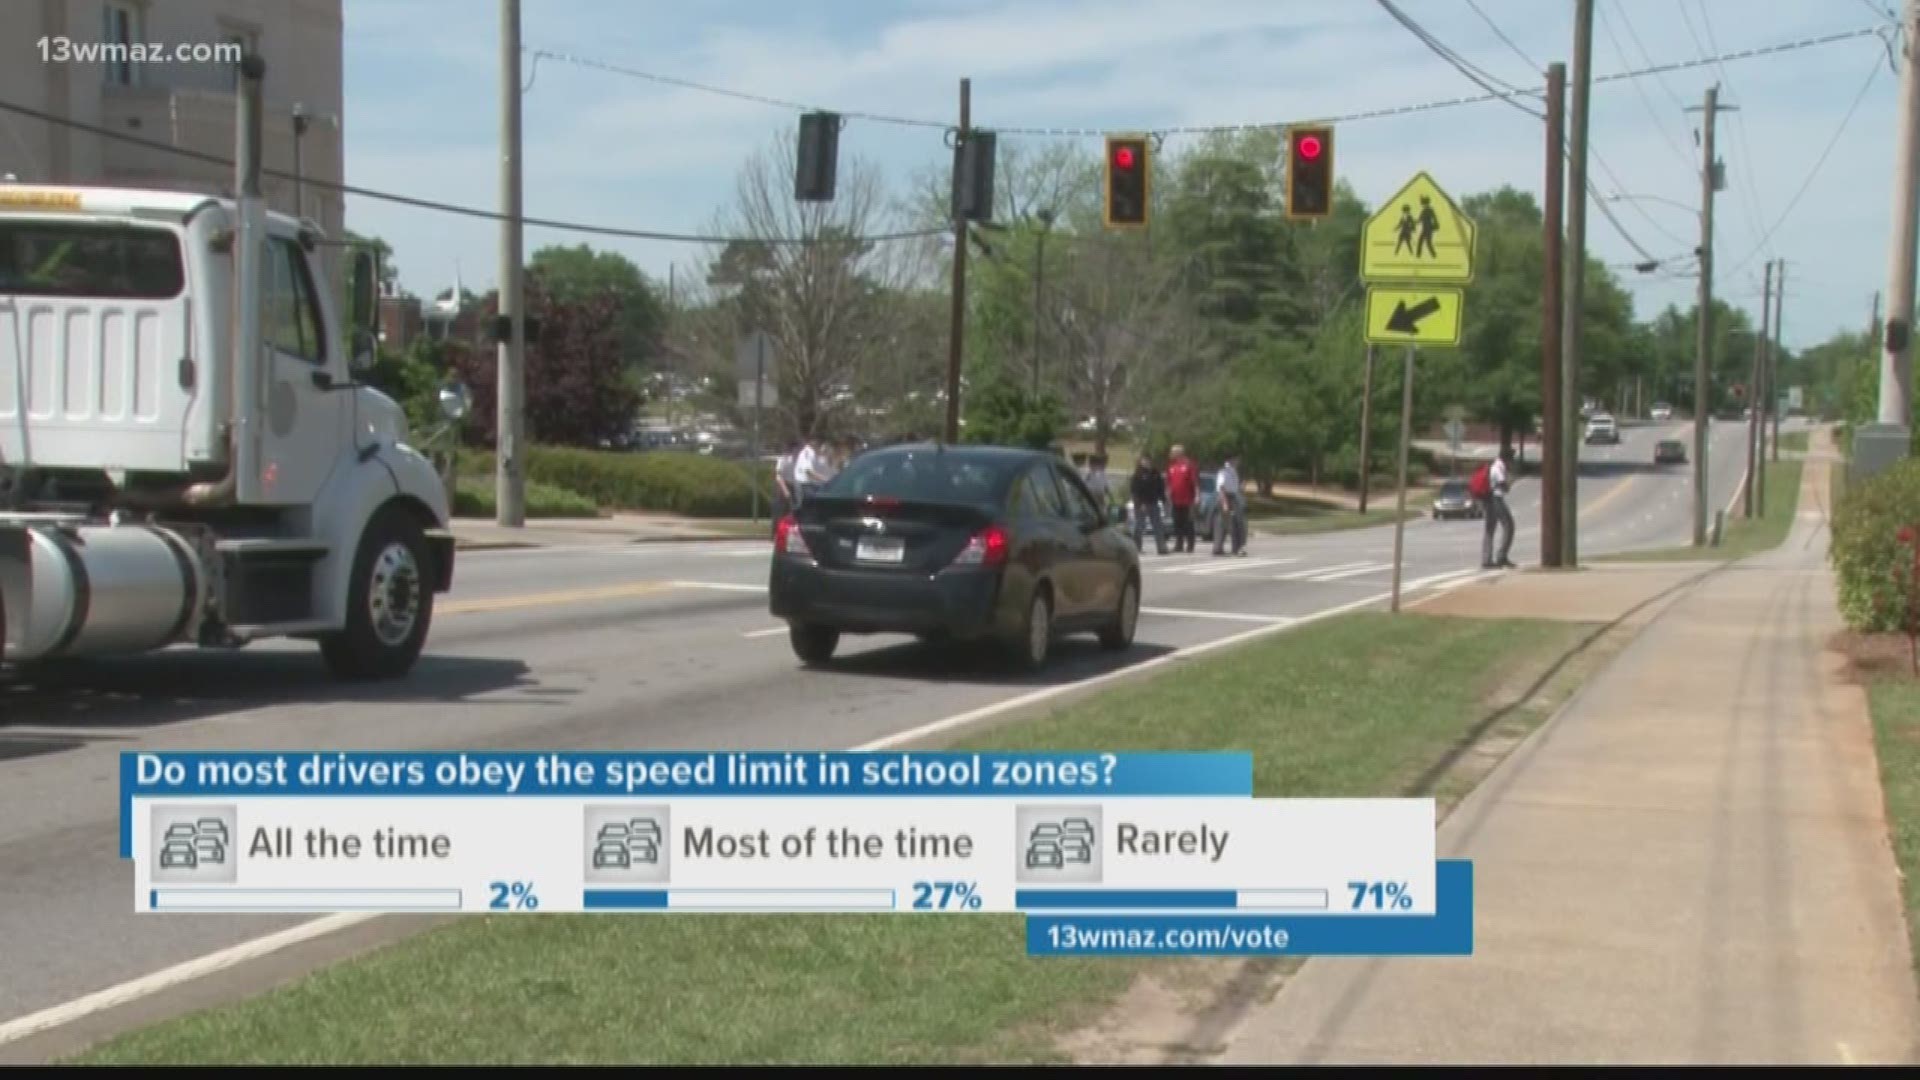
[[1036, 635], [814, 645], [1118, 634]]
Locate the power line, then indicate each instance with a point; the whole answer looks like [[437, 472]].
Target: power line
[[1640, 91], [1873, 72], [1656, 70], [1480, 78], [1751, 205], [1502, 35], [455, 208]]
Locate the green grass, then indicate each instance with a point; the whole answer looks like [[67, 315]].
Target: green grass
[[1895, 701], [1361, 705], [1794, 440], [1742, 536]]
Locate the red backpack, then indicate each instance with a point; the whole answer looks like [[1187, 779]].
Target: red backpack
[[1480, 486]]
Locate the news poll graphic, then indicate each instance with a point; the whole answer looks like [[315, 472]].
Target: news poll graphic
[[1114, 854]]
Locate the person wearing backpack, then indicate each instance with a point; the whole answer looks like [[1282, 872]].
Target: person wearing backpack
[[1489, 485]]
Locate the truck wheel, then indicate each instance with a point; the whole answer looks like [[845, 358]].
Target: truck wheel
[[389, 602]]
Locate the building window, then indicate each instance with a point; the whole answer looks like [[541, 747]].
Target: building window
[[122, 35]]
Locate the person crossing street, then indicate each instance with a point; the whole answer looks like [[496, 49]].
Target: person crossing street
[[1149, 490], [1182, 492]]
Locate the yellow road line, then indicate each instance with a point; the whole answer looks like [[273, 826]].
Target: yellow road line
[[551, 599]]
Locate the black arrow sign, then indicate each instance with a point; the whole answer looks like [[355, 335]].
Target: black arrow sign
[[1406, 320]]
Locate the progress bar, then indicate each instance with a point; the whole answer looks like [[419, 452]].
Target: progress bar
[[738, 899], [1172, 899], [219, 899]]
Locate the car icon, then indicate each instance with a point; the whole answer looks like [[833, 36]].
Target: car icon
[[178, 855], [1044, 847], [1076, 840]]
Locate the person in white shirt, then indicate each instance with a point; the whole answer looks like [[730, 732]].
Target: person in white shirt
[[804, 463], [1229, 508], [1498, 515]]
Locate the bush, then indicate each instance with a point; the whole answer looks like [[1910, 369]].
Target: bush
[[474, 497], [679, 483], [1866, 552]]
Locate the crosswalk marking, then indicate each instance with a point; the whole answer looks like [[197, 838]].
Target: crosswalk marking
[[1358, 571], [1198, 569], [1309, 575]]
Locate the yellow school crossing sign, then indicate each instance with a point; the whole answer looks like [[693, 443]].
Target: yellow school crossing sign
[[1413, 315], [1419, 235]]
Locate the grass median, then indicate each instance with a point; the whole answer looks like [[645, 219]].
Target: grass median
[[1895, 701], [1742, 536], [1362, 705]]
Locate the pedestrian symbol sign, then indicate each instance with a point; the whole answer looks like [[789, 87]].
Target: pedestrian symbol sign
[[1413, 315], [1419, 235]]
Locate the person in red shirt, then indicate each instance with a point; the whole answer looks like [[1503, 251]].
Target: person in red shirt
[[1182, 492]]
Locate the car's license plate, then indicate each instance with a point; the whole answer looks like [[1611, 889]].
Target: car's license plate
[[881, 550]]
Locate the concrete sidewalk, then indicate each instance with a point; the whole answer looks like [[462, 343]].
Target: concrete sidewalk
[[477, 534], [1689, 865]]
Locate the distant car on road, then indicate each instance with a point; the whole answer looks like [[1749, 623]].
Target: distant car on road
[[1670, 452], [954, 542], [1454, 501], [1661, 412], [1602, 429]]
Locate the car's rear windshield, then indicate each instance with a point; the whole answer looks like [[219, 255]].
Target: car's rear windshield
[[1453, 487], [930, 475], [95, 260]]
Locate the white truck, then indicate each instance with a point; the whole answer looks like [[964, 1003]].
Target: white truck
[[185, 457]]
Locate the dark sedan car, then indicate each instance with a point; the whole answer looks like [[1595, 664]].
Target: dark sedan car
[[954, 542], [1670, 452], [1455, 500]]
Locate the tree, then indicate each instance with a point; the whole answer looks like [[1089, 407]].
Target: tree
[[829, 301], [579, 272], [576, 392]]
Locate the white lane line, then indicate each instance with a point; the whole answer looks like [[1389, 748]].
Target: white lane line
[[235, 955], [1371, 568], [1221, 565], [1305, 575], [768, 632], [720, 586], [1230, 616]]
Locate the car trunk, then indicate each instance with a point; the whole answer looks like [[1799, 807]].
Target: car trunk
[[888, 535]]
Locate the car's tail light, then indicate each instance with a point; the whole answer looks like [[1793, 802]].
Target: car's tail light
[[787, 538], [987, 548]]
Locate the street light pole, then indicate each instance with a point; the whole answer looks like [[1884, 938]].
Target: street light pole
[[1039, 276]]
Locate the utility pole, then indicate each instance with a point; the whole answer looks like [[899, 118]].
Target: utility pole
[[1703, 320], [1366, 429], [1573, 285], [1773, 364], [1755, 418], [1553, 410], [1896, 357], [1039, 276], [510, 467], [956, 335]]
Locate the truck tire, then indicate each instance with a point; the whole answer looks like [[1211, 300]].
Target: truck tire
[[389, 602]]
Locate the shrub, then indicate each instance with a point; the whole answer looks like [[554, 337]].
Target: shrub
[[474, 497], [673, 482], [1867, 553]]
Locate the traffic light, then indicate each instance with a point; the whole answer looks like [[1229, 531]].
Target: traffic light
[[818, 154], [1309, 172], [1127, 186]]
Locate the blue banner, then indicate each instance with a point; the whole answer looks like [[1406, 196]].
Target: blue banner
[[1447, 932], [641, 773]]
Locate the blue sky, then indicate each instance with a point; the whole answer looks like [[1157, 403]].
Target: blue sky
[[422, 104]]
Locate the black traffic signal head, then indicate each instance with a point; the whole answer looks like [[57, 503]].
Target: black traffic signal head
[[1127, 181], [1309, 171], [817, 157]]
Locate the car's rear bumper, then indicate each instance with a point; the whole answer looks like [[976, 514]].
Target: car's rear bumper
[[961, 603]]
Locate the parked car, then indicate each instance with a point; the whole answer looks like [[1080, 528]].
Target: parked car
[[1602, 429], [1661, 412], [1670, 452], [1454, 501], [954, 542]]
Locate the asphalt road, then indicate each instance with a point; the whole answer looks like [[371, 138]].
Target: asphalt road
[[659, 646]]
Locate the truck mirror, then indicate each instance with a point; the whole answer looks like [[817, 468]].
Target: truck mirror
[[365, 279], [455, 400], [365, 350]]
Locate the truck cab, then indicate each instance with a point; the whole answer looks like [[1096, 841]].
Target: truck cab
[[185, 455]]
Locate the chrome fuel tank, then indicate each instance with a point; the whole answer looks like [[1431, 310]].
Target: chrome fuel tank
[[95, 590]]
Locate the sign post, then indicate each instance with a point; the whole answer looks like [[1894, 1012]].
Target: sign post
[[750, 360], [1416, 256]]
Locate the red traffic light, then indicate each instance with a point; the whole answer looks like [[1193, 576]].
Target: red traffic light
[[1123, 157], [1310, 147]]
